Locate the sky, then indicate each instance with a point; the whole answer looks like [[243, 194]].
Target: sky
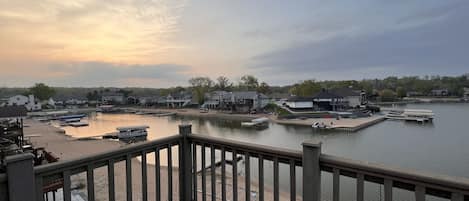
[[163, 43]]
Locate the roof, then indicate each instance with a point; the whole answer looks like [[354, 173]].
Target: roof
[[299, 98], [245, 94], [324, 94], [13, 111], [345, 92]]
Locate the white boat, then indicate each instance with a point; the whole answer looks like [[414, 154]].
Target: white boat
[[411, 115], [256, 122], [321, 125], [132, 131]]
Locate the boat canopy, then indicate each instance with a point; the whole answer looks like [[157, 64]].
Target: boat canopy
[[126, 128]]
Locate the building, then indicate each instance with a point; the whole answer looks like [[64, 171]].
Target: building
[[177, 100], [413, 94], [440, 92], [353, 98], [299, 102], [29, 102], [466, 93], [327, 101], [240, 101], [112, 98], [148, 101]]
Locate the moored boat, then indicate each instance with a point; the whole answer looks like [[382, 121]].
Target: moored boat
[[132, 131]]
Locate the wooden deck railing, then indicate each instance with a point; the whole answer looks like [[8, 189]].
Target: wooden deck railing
[[22, 182]]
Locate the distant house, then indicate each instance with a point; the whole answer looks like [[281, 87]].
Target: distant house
[[353, 98], [148, 101], [29, 102], [440, 92], [241, 101], [466, 93], [299, 102], [177, 100], [413, 93], [112, 98]]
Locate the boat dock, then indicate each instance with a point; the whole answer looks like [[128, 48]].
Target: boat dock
[[343, 124], [255, 122]]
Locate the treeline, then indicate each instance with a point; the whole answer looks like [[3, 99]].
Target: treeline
[[386, 89]]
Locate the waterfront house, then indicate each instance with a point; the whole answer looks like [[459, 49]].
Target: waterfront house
[[112, 98], [177, 100], [30, 102], [245, 101], [440, 92], [327, 101], [149, 100], [240, 101], [217, 99], [299, 102], [413, 93], [352, 98], [466, 93]]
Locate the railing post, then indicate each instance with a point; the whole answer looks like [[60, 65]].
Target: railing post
[[185, 163], [311, 171], [20, 174]]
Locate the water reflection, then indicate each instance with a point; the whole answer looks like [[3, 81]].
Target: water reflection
[[440, 146]]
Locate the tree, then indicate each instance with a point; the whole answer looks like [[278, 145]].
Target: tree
[[42, 91], [125, 92], [92, 96], [249, 82], [200, 85], [401, 92], [305, 88], [264, 88], [223, 83], [387, 95]]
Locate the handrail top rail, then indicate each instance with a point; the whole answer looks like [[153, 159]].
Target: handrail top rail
[[239, 145], [129, 149], [396, 173]]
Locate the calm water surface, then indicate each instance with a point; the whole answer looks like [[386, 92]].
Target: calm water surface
[[440, 147]]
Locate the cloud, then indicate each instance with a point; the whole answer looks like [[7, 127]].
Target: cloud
[[91, 74], [436, 47], [110, 31]]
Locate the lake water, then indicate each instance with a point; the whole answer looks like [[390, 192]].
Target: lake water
[[439, 147]]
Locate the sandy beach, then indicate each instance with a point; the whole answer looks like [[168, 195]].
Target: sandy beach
[[66, 148]]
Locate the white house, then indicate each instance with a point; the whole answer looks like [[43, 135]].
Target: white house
[[176, 100], [29, 102], [354, 98], [112, 97], [466, 93], [298, 102]]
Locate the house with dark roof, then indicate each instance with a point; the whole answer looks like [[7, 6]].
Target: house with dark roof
[[327, 101]]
